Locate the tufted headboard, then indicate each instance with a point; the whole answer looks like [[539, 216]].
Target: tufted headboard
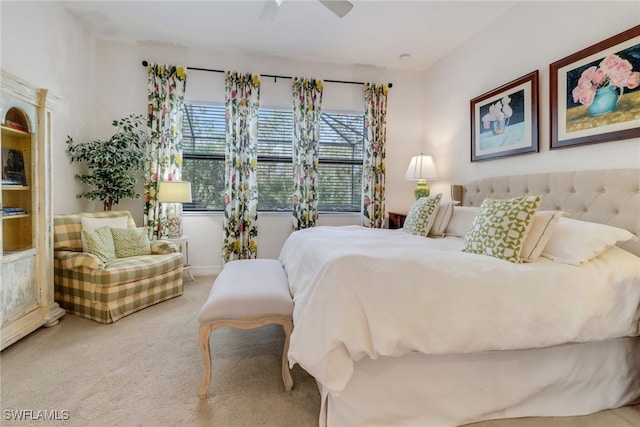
[[610, 196]]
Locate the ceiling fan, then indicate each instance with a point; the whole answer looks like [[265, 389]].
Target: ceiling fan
[[339, 7]]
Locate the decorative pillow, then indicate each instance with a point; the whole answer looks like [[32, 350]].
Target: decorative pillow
[[90, 224], [501, 227], [461, 219], [544, 222], [100, 243], [442, 218], [574, 242], [421, 215], [130, 242]]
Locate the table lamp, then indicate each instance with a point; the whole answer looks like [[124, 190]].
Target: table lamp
[[174, 194], [421, 168]]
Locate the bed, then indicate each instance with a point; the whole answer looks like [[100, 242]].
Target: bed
[[420, 332]]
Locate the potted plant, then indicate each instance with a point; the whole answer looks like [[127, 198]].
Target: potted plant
[[114, 164]]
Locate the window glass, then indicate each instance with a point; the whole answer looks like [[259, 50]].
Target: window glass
[[340, 162]]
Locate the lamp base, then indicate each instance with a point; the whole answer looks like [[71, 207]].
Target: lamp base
[[174, 220], [422, 190], [175, 227]]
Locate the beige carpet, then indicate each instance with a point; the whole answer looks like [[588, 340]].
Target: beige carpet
[[144, 370]]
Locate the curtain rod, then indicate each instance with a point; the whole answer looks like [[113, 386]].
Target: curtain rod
[[274, 76]]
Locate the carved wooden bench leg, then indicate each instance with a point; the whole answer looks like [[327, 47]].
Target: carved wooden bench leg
[[205, 353], [286, 372]]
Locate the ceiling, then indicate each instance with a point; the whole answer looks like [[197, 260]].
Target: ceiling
[[374, 33]]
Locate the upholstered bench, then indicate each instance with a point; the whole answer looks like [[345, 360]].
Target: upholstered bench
[[247, 294]]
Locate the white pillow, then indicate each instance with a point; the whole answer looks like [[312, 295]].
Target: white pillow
[[90, 224], [461, 219], [574, 242], [443, 216], [544, 222]]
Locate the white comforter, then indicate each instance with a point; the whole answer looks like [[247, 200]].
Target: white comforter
[[362, 292]]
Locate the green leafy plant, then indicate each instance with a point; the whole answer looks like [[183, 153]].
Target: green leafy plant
[[114, 164]]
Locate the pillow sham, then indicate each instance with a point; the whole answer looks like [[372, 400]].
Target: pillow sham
[[100, 243], [501, 227], [544, 222], [461, 219], [420, 217], [130, 242], [574, 242], [90, 224], [442, 218]]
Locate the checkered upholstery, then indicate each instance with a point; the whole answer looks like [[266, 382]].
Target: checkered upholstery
[[106, 292]]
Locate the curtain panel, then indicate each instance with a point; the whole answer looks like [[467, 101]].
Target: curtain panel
[[307, 101], [373, 182], [166, 88], [242, 95]]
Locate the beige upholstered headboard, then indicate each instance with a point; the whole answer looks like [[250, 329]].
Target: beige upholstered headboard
[[609, 196]]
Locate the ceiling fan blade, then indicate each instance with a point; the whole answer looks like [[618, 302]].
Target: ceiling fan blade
[[269, 11], [339, 7]]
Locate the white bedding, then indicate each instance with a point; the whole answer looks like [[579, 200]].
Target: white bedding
[[362, 292]]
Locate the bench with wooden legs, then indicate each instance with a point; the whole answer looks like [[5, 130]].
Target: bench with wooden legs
[[247, 294]]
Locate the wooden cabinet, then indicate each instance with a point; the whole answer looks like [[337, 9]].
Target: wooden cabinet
[[26, 260], [396, 220]]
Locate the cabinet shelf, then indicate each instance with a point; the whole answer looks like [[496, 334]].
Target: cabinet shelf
[[13, 131], [12, 256], [6, 187], [15, 216]]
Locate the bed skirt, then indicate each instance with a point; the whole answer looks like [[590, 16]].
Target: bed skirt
[[452, 390]]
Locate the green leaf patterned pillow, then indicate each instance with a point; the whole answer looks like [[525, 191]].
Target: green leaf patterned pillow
[[421, 215], [501, 227], [130, 242], [100, 243]]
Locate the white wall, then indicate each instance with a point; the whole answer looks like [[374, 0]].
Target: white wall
[[531, 36], [45, 46]]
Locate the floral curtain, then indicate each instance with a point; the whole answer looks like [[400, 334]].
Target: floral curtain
[[242, 94], [373, 182], [307, 100], [167, 84]]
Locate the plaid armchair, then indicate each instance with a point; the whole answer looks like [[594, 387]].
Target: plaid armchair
[[108, 291]]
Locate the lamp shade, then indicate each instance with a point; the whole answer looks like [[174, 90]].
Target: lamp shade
[[421, 167], [174, 191]]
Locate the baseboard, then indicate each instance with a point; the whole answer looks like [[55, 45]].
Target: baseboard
[[206, 270]]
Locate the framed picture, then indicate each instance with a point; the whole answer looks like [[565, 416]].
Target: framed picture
[[595, 94], [13, 172], [504, 122]]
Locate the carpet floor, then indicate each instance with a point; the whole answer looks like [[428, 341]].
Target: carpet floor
[[144, 370]]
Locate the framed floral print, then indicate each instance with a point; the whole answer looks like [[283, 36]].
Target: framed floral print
[[595, 93], [504, 121]]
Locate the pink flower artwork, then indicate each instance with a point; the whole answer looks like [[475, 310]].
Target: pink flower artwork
[[612, 71]]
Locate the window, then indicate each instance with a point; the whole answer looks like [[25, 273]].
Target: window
[[203, 154], [339, 169]]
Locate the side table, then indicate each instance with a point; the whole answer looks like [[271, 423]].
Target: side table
[[183, 246], [396, 220]]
